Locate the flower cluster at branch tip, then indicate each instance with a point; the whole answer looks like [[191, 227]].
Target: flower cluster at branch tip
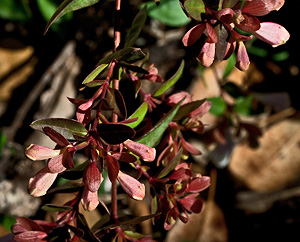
[[230, 25]]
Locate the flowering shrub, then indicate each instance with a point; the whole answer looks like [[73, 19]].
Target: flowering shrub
[[107, 136]]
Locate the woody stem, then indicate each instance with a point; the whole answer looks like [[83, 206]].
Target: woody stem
[[117, 40]]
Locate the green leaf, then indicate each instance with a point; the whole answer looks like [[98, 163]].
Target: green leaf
[[69, 6], [115, 133], [281, 56], [7, 221], [94, 73], [230, 65], [66, 127], [15, 10], [68, 187], [139, 113], [188, 108], [128, 54], [195, 8], [218, 107], [171, 166], [169, 12], [243, 105], [171, 82], [55, 208], [136, 27], [153, 137]]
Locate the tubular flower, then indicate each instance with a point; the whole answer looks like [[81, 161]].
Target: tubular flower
[[223, 27]]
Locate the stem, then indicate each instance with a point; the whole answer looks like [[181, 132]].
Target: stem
[[117, 40]]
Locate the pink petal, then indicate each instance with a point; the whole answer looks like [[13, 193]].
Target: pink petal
[[242, 59], [41, 182], [92, 177], [198, 184], [38, 152], [143, 151], [272, 33], [193, 34], [131, 186], [89, 199], [207, 54], [262, 7]]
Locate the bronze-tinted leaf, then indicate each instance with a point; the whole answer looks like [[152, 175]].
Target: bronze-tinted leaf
[[116, 101], [113, 168], [115, 133]]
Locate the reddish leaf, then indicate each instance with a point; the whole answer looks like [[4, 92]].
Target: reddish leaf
[[89, 199], [191, 203], [115, 133], [30, 236], [92, 177], [55, 164], [38, 152], [116, 101], [131, 186], [198, 184], [56, 137], [113, 167], [143, 151], [41, 182]]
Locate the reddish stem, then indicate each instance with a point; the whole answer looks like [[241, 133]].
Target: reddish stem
[[117, 40]]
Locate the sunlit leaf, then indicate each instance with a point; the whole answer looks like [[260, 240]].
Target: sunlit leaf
[[94, 73], [230, 65], [128, 54], [218, 107], [171, 82], [115, 133], [136, 27], [169, 12], [55, 208], [243, 105], [195, 8], [139, 113], [188, 108], [66, 127], [134, 68], [152, 137], [69, 6], [69, 187]]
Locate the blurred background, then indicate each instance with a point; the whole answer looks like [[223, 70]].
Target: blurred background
[[251, 147]]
